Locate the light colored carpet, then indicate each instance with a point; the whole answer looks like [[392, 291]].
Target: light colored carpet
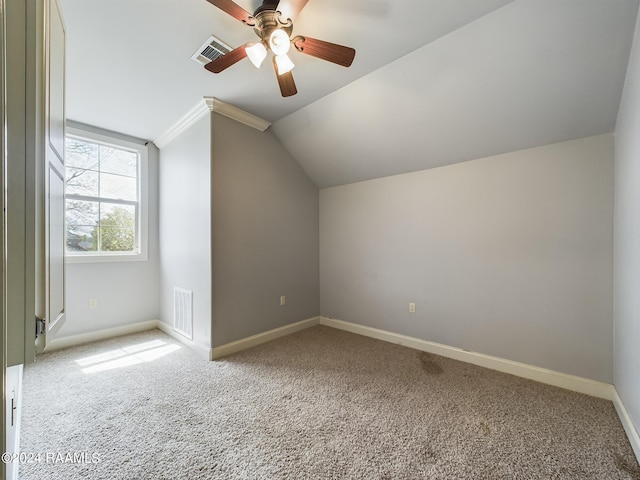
[[319, 404]]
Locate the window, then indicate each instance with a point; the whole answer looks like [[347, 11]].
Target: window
[[105, 198]]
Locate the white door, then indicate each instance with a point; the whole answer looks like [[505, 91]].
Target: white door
[[54, 130]]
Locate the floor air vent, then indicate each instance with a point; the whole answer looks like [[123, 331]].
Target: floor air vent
[[210, 50], [183, 312]]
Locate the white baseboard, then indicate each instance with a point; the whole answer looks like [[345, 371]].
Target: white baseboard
[[563, 380], [239, 345], [203, 350], [79, 339], [550, 377], [627, 424]]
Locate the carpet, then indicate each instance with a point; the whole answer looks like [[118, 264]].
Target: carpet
[[318, 404]]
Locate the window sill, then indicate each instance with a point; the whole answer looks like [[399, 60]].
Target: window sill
[[138, 257]]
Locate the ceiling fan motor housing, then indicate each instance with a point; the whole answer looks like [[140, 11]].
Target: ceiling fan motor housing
[[267, 20]]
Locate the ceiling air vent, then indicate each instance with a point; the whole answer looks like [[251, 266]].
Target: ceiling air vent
[[210, 50]]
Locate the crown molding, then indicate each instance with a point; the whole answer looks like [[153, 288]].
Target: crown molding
[[203, 108], [237, 114], [183, 124]]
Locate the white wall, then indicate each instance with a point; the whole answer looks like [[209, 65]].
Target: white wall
[[627, 240], [509, 255], [185, 225], [127, 292]]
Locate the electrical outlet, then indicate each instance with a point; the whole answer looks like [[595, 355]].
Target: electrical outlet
[[283, 300], [93, 303], [412, 308]]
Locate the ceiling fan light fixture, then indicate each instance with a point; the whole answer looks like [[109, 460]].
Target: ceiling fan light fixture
[[284, 64], [256, 53], [272, 22], [279, 42]]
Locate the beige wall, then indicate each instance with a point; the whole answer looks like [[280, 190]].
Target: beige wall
[[627, 240], [265, 234], [509, 255]]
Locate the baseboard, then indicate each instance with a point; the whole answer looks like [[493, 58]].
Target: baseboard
[[558, 379], [627, 424], [203, 350], [81, 338], [550, 377], [239, 345]]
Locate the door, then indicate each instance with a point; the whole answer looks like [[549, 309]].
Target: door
[[54, 144]]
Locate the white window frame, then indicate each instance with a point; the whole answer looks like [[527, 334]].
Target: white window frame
[[143, 201]]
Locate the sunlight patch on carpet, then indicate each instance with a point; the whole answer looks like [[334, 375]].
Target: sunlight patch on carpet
[[126, 356]]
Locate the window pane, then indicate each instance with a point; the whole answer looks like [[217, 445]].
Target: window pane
[[81, 154], [121, 162], [81, 238], [98, 177], [81, 182], [117, 228], [79, 212], [118, 239], [118, 187]]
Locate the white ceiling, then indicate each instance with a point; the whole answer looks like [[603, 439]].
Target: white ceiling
[[434, 82]]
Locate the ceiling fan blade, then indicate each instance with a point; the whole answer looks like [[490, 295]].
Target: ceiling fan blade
[[235, 10], [285, 82], [328, 51], [290, 8], [226, 60]]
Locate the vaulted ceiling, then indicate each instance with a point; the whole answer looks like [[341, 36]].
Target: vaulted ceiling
[[434, 82]]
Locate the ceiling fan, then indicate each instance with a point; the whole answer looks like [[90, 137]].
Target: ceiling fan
[[273, 23]]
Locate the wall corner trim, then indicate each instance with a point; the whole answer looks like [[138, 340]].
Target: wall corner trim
[[237, 114], [543, 375], [627, 424], [254, 340], [200, 110], [202, 350]]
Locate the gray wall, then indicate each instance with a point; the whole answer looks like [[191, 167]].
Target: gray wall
[[127, 292], [185, 226], [627, 240], [16, 218], [265, 234], [509, 255]]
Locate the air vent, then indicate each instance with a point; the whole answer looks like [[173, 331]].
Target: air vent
[[183, 312], [210, 50]]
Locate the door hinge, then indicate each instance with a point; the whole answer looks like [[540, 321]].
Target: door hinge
[[41, 326]]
